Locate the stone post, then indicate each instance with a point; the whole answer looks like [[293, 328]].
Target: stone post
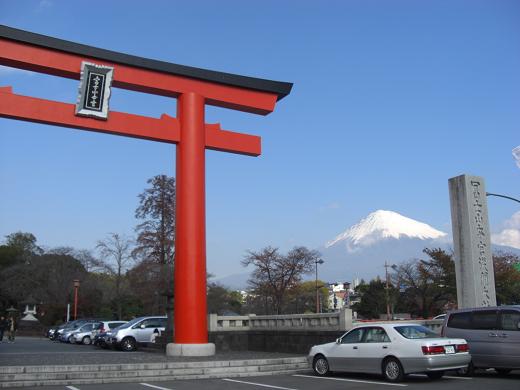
[[345, 319], [471, 241]]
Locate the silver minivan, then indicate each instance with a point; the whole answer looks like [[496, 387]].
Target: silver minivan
[[493, 335], [142, 330]]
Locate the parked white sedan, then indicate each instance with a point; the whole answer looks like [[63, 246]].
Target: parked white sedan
[[392, 350]]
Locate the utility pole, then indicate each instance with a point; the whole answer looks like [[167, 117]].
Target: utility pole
[[318, 261], [387, 295]]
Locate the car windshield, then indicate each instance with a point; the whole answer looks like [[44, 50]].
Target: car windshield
[[415, 332], [130, 323]]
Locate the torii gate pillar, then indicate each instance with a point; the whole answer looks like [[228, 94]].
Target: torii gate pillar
[[191, 336]]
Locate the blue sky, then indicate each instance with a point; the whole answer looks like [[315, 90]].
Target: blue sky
[[390, 100]]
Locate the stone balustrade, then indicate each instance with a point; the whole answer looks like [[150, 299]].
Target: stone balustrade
[[337, 321]]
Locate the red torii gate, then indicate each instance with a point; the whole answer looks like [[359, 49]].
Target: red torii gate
[[194, 88]]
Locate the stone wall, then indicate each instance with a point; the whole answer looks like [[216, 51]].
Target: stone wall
[[298, 342], [294, 333]]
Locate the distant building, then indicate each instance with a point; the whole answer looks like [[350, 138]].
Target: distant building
[[342, 295]]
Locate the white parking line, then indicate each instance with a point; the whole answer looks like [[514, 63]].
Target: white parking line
[[258, 384], [155, 387], [457, 377], [66, 353], [71, 388], [352, 380], [445, 376]]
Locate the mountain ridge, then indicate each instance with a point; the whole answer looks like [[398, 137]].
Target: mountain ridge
[[384, 224], [360, 252]]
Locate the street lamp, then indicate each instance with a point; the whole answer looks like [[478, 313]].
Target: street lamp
[[318, 261], [76, 287], [502, 196]]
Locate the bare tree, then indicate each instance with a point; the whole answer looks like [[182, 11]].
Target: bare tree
[[115, 252], [275, 274], [84, 256]]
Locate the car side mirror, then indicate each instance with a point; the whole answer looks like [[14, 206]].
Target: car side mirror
[[143, 326], [338, 341]]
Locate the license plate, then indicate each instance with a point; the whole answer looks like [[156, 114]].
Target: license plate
[[449, 349]]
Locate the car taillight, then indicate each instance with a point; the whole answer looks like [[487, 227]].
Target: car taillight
[[462, 348], [432, 350]]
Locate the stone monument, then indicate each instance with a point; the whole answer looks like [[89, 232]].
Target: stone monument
[[471, 241]]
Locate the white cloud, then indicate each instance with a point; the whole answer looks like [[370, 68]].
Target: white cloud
[[510, 236], [514, 221], [516, 155], [507, 237]]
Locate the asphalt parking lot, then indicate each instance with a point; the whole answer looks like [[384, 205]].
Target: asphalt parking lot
[[27, 351], [307, 381]]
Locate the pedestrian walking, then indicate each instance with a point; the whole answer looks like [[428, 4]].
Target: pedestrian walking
[[11, 329], [3, 327]]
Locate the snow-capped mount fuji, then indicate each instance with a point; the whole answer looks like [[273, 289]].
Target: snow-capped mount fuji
[[361, 250], [381, 225]]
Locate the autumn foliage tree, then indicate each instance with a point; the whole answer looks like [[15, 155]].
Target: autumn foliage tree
[[429, 285], [507, 278]]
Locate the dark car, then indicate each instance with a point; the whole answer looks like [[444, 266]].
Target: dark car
[[100, 335], [53, 332], [102, 339]]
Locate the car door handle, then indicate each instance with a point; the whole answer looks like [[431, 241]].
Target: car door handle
[[492, 335], [354, 347], [385, 347]]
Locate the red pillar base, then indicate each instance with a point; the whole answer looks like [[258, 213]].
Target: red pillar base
[[173, 349]]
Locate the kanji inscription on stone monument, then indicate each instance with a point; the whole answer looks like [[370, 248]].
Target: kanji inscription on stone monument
[[472, 242]]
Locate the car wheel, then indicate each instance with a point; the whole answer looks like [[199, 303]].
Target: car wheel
[[87, 340], [128, 344], [503, 371], [467, 371], [393, 370], [435, 374], [70, 340], [320, 365]]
